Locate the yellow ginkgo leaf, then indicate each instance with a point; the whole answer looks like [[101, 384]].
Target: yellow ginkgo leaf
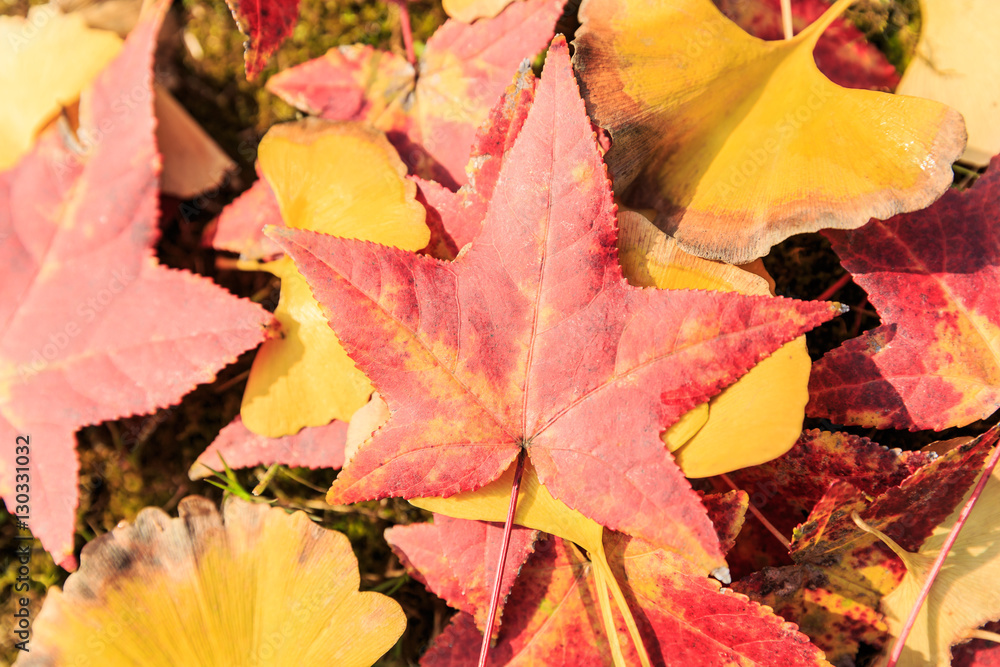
[[342, 179], [46, 60], [964, 595], [957, 62], [758, 418], [257, 587], [738, 143]]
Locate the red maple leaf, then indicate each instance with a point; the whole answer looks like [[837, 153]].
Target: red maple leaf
[[240, 226], [684, 619], [841, 572], [907, 513], [266, 23], [462, 212], [532, 339], [935, 360], [457, 560], [430, 116], [93, 328], [978, 652]]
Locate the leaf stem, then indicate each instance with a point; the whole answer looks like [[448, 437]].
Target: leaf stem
[[760, 517], [897, 649], [786, 19], [507, 528], [834, 288], [406, 29]]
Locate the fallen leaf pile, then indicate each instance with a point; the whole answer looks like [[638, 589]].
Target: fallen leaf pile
[[524, 282]]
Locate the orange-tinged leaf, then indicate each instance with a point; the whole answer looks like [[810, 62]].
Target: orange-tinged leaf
[[756, 419], [336, 178], [957, 62], [93, 328], [532, 339], [46, 60], [739, 143], [935, 360], [430, 115], [253, 586], [192, 162]]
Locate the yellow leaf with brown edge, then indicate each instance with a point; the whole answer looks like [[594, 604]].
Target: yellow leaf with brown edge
[[957, 62], [964, 595], [758, 418], [739, 143], [254, 586], [46, 60], [337, 178]]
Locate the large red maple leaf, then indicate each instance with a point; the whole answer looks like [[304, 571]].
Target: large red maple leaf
[[933, 275], [532, 339], [685, 619], [91, 326]]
